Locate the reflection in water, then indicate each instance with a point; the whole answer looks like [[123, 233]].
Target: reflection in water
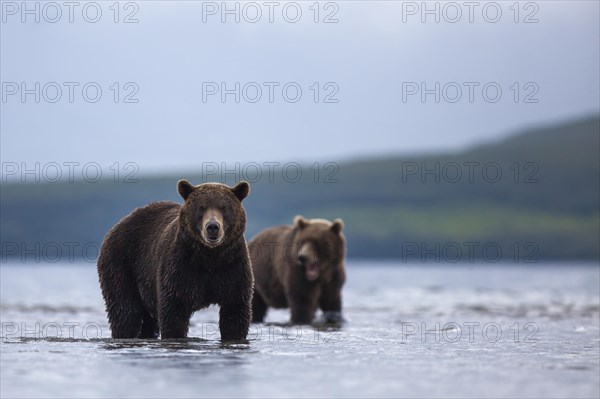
[[188, 353], [175, 344], [180, 353]]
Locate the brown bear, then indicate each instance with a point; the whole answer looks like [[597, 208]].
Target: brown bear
[[300, 267], [165, 261]]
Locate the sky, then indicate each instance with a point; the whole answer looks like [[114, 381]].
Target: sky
[[173, 85]]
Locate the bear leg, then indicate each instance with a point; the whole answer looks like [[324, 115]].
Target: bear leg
[[125, 323], [259, 308], [149, 327], [331, 299], [234, 320], [301, 313], [124, 305], [303, 303], [173, 318]]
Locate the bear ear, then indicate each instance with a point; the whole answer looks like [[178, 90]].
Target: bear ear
[[241, 190], [337, 226], [185, 188], [300, 222]]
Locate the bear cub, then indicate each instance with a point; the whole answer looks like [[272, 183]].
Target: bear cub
[[163, 262], [300, 267]]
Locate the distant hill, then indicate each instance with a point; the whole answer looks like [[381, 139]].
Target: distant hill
[[534, 196]]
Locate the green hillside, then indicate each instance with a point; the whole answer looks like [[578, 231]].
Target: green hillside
[[544, 204]]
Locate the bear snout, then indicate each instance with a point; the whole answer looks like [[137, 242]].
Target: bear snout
[[212, 231], [212, 227], [302, 260], [308, 258]]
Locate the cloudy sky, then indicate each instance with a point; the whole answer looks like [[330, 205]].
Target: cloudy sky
[[315, 81]]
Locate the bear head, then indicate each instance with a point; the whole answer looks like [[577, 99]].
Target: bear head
[[212, 213], [320, 246]]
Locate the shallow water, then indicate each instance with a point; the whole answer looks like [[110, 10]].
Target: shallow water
[[412, 331]]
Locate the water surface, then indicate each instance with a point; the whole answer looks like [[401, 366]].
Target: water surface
[[412, 331]]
